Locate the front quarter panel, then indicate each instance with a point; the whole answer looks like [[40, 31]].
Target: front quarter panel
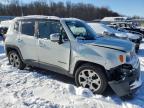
[[108, 58]]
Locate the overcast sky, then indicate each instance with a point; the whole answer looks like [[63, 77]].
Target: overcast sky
[[124, 7]]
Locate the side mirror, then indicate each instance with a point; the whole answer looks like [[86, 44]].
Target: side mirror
[[55, 37]]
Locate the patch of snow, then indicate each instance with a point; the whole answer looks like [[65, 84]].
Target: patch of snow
[[84, 92], [44, 89]]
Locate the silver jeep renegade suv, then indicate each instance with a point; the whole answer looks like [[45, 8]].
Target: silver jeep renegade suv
[[70, 47]]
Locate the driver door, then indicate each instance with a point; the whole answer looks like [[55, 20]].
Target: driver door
[[52, 54]]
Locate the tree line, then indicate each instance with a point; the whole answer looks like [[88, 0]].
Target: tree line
[[83, 11]]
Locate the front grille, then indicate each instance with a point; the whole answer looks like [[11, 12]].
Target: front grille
[[126, 66], [122, 72]]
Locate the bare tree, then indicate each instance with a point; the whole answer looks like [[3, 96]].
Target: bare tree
[[47, 7]]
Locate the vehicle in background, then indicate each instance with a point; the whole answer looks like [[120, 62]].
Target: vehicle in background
[[71, 47], [129, 26], [4, 26], [109, 31], [2, 33], [6, 23], [130, 31], [125, 22], [108, 20], [104, 30]]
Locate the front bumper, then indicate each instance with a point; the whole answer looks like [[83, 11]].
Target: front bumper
[[128, 84]]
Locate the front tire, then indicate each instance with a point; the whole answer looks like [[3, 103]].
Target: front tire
[[91, 77], [15, 60]]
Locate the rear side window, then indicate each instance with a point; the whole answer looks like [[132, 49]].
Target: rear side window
[[27, 27]]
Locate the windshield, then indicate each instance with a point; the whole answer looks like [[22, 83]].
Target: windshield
[[81, 30]]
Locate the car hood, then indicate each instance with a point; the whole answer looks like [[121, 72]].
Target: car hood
[[121, 35], [126, 35], [140, 27], [111, 43], [118, 34]]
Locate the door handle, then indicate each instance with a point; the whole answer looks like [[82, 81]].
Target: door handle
[[20, 41]]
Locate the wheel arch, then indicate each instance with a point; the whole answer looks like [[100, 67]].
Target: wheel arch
[[9, 48], [80, 63]]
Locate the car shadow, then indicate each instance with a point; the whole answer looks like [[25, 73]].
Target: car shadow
[[62, 78], [53, 75]]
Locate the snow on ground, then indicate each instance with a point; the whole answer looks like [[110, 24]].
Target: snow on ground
[[35, 88]]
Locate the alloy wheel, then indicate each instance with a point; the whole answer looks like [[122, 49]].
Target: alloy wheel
[[14, 60], [89, 79]]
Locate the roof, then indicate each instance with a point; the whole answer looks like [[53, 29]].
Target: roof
[[114, 18], [71, 18], [43, 17], [37, 17]]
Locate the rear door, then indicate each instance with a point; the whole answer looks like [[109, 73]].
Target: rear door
[[27, 40]]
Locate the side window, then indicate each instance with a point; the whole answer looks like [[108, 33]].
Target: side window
[[46, 28], [27, 27]]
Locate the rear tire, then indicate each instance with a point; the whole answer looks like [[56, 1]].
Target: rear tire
[[15, 60], [92, 77]]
